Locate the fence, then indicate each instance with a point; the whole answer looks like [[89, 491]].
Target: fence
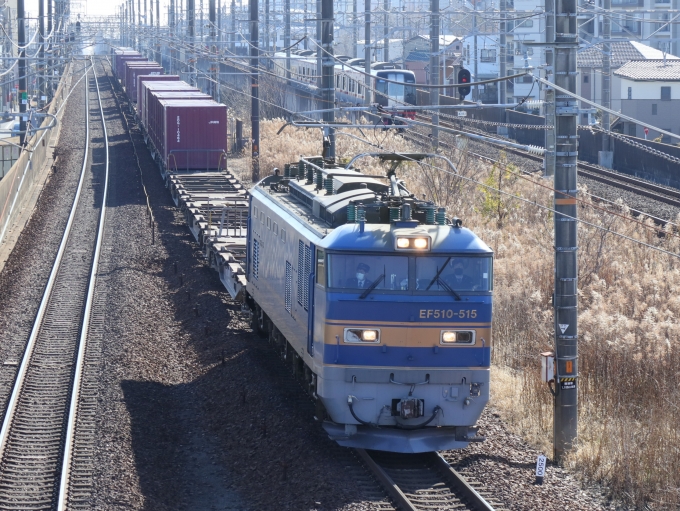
[[19, 182]]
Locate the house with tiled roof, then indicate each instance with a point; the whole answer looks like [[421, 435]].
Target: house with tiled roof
[[590, 68], [650, 91]]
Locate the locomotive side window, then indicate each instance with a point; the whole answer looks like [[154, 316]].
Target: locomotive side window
[[360, 271], [320, 267], [457, 272]]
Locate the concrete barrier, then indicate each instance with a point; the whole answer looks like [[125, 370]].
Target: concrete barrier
[[20, 186]]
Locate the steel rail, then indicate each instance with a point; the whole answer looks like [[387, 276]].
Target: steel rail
[[75, 394], [415, 471], [21, 375]]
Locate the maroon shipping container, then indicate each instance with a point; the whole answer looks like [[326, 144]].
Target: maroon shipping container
[[150, 78], [160, 85], [131, 74], [134, 63], [193, 135], [119, 53], [122, 59], [154, 109]]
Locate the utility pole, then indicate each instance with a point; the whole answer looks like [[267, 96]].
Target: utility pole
[[140, 38], [213, 49], [328, 78], [367, 51], [286, 36], [191, 34], [23, 96], [159, 58], [254, 83], [41, 52], [606, 158], [434, 68], [132, 23], [474, 44], [233, 26], [355, 29], [49, 47], [319, 55], [566, 241], [549, 157], [502, 59], [266, 25], [386, 31]]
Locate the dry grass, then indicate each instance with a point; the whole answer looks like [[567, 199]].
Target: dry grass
[[629, 308]]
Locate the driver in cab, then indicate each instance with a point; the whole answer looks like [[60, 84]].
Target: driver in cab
[[360, 282]]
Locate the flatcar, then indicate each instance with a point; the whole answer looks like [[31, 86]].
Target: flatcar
[[378, 300]]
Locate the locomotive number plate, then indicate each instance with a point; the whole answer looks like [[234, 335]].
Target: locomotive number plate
[[447, 313]]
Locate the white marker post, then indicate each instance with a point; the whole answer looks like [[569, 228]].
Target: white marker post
[[540, 469]]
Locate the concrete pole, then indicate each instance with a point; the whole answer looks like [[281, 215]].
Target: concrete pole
[[328, 71], [132, 24], [606, 83], [286, 36], [367, 51], [23, 95], [254, 84], [566, 241], [191, 33], [434, 68], [140, 38], [212, 17], [549, 158], [49, 47]]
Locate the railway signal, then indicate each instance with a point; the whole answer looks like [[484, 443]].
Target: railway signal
[[463, 77]]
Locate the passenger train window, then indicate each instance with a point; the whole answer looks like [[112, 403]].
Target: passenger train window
[[269, 223], [283, 235], [320, 267], [360, 271], [458, 273], [275, 228], [261, 217]]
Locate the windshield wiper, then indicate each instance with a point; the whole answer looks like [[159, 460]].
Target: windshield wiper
[[446, 286], [436, 277], [371, 287]]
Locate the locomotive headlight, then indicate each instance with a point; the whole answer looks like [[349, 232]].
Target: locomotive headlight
[[360, 335], [412, 243], [369, 335], [420, 243], [457, 337]]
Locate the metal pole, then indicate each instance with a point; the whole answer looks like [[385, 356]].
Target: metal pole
[[434, 67], [328, 79], [254, 83], [386, 31], [502, 96], [23, 96], [213, 49], [266, 25], [41, 51], [219, 23], [132, 23], [474, 44], [139, 25], [566, 242], [233, 26], [606, 77], [318, 42], [367, 51], [49, 47], [286, 36], [191, 14], [549, 158], [355, 29]]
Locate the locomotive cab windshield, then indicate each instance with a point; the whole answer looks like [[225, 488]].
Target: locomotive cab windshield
[[422, 274]]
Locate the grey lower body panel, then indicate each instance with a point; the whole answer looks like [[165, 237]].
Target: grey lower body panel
[[396, 440]]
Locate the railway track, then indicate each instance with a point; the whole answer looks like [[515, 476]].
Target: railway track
[[588, 170], [419, 482], [37, 440]]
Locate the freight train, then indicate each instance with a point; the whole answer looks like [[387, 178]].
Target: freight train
[[380, 303]]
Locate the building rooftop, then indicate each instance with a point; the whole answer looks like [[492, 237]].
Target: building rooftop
[[650, 70], [622, 52]]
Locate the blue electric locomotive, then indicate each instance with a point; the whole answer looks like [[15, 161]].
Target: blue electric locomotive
[[378, 301]]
